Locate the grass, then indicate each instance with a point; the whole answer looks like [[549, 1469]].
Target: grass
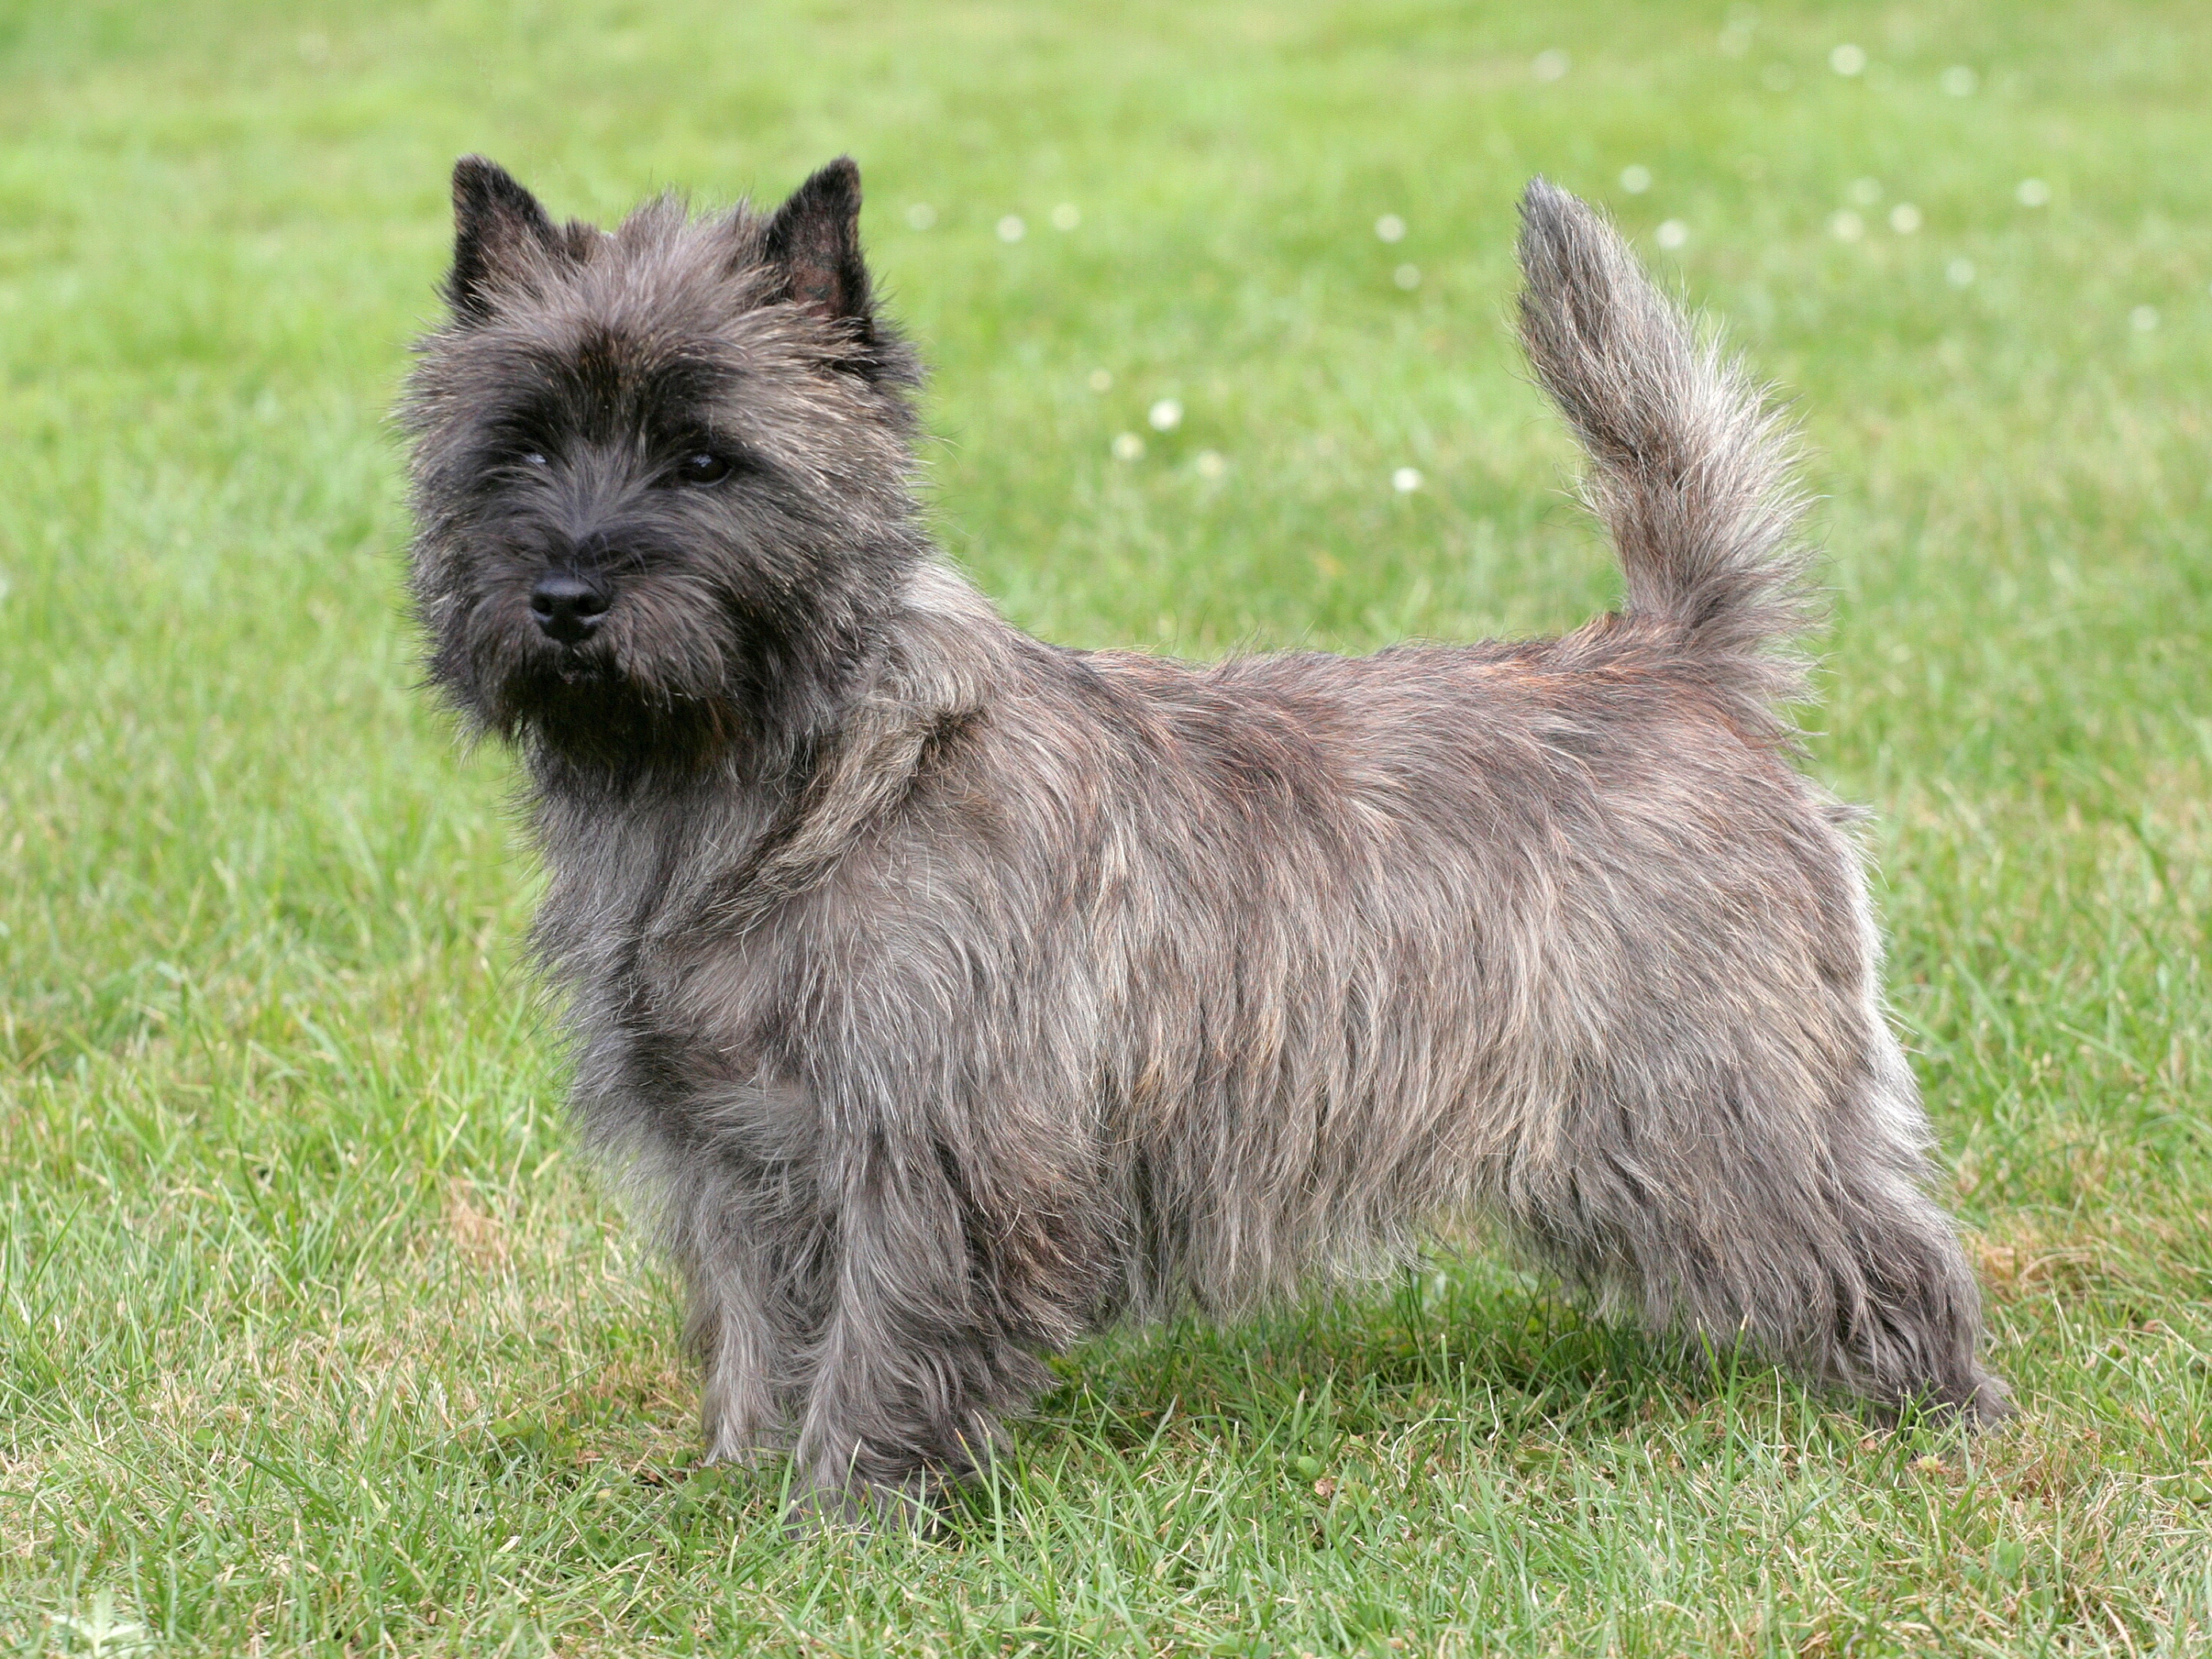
[[314, 1335]]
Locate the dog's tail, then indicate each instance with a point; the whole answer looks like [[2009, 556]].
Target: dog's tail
[[1691, 471]]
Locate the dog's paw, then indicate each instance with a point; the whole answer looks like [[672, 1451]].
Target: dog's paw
[[1988, 1404], [754, 1451], [747, 1432]]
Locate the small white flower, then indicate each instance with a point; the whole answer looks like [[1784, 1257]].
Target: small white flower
[[1959, 273], [1636, 179], [1551, 65], [1865, 191], [1102, 379], [2032, 192], [920, 216], [1672, 233], [1905, 218], [1012, 229], [1067, 217], [1210, 464], [1959, 81], [1128, 446], [1846, 226], [1406, 480], [1391, 227], [1407, 278], [2143, 318], [1848, 59], [1166, 415]]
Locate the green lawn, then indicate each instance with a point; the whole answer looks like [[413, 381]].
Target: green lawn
[[315, 1333]]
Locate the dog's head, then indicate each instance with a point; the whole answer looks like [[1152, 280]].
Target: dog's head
[[660, 473]]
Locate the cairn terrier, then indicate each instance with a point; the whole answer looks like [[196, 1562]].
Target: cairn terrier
[[948, 994]]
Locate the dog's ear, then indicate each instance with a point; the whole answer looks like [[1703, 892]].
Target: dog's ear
[[497, 225], [814, 239]]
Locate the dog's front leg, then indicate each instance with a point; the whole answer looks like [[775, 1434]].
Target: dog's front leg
[[738, 1238], [733, 1330], [900, 1398]]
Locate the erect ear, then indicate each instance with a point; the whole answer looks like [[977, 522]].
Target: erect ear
[[495, 223], [815, 240]]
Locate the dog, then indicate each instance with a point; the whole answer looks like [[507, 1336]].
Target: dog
[[947, 995]]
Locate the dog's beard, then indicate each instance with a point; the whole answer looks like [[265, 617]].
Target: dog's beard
[[583, 711], [604, 702]]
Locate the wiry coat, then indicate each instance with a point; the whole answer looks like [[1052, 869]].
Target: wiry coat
[[950, 994]]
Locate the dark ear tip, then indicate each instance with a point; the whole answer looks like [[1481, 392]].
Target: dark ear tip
[[839, 178], [479, 179]]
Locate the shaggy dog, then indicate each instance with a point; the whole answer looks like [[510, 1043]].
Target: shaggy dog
[[950, 994]]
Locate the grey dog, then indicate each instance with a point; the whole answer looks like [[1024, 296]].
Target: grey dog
[[947, 995]]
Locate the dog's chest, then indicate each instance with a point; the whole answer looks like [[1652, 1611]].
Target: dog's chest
[[629, 919]]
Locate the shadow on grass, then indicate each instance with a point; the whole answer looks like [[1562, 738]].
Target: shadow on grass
[[1471, 1345]]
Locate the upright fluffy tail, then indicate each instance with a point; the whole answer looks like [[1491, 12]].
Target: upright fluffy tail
[[1690, 470]]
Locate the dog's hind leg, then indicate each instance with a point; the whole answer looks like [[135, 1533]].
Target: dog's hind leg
[[1735, 1206], [1905, 1319]]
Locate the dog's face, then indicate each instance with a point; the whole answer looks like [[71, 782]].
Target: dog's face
[[660, 472]]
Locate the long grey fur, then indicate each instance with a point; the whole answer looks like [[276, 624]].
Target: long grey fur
[[947, 995]]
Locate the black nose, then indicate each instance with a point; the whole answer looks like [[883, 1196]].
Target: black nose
[[567, 606]]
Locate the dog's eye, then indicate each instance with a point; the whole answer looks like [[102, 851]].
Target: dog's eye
[[703, 468]]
